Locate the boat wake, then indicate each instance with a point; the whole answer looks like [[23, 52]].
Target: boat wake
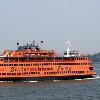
[[97, 77], [93, 78], [31, 81]]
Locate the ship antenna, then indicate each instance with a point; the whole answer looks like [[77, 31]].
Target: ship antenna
[[68, 48], [33, 43], [17, 44]]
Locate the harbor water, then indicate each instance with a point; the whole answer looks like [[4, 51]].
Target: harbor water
[[86, 89]]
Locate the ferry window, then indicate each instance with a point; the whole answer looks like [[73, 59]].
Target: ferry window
[[1, 59], [83, 58], [36, 72], [19, 54], [78, 72], [8, 73], [39, 64], [50, 58], [48, 68], [24, 65], [58, 58], [36, 64], [62, 63], [25, 73], [44, 53], [48, 53], [31, 64], [81, 71], [75, 63], [75, 58], [13, 73], [39, 69], [18, 73], [66, 63], [32, 72], [72, 59], [84, 63], [15, 64], [59, 72], [28, 65], [3, 73], [59, 63], [20, 64], [45, 63]]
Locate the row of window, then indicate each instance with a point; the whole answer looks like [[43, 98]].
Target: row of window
[[43, 64], [28, 59], [24, 73], [27, 73], [62, 72]]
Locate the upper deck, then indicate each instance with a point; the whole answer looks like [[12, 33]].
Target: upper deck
[[34, 51], [29, 50]]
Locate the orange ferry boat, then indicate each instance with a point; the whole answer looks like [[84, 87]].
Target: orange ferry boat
[[30, 63]]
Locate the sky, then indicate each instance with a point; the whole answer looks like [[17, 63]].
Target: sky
[[51, 21]]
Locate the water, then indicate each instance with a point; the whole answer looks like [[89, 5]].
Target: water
[[88, 89]]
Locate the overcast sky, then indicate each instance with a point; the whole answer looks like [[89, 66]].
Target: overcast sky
[[53, 21]]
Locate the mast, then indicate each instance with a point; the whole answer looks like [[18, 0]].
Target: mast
[[68, 44]]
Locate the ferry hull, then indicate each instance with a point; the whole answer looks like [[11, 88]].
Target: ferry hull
[[50, 78]]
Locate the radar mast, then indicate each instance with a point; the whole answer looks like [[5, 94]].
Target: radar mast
[[67, 54]]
